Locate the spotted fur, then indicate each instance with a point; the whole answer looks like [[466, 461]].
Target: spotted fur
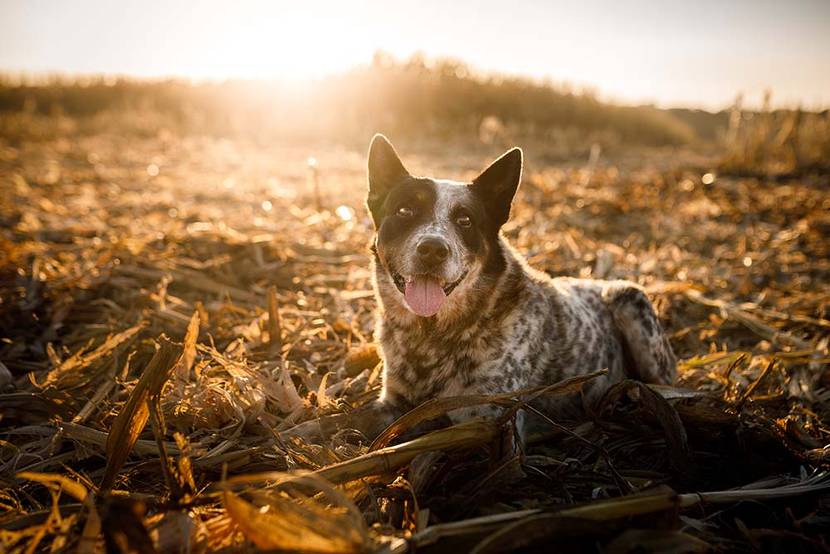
[[504, 326]]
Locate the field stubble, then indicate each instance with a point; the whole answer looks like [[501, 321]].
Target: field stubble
[[172, 309]]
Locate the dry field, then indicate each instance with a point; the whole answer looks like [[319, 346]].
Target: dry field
[[171, 309]]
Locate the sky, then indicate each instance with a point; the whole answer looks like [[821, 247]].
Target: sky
[[669, 53]]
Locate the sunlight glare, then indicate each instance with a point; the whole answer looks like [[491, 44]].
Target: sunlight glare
[[275, 41], [344, 212]]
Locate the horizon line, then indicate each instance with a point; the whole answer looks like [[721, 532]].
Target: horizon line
[[18, 77]]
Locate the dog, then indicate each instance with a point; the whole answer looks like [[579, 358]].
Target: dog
[[461, 312]]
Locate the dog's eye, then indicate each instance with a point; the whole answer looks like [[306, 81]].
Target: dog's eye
[[405, 211], [464, 221]]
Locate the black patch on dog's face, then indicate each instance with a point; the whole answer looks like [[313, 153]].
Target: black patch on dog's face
[[481, 226], [415, 194]]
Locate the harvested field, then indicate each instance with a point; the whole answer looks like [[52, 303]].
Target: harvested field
[[172, 309]]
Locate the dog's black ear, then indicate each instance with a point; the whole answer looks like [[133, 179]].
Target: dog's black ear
[[385, 171], [498, 183]]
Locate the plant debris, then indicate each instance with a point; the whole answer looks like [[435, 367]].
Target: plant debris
[[193, 284]]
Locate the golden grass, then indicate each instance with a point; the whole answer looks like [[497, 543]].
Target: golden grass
[[189, 283], [775, 143]]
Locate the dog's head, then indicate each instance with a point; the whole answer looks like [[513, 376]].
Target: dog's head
[[435, 240]]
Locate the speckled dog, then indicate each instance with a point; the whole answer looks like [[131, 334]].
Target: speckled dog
[[461, 312]]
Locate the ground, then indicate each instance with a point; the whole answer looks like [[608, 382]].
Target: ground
[[112, 247]]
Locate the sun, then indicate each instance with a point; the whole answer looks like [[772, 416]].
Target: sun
[[273, 42]]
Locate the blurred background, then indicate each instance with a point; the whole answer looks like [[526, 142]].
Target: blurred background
[[751, 78]]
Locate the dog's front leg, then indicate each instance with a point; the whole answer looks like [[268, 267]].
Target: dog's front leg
[[375, 417], [489, 411], [369, 420]]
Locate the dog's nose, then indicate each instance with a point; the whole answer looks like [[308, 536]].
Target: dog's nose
[[432, 250]]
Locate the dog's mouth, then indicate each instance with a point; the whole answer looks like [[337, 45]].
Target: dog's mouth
[[401, 281], [425, 293]]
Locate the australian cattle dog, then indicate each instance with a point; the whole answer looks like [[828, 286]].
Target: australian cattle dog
[[460, 311]]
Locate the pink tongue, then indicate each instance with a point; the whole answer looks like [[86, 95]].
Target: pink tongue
[[424, 295]]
